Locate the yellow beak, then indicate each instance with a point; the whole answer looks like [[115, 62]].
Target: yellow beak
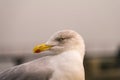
[[41, 47]]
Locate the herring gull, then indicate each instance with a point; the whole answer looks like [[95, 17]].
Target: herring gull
[[62, 59]]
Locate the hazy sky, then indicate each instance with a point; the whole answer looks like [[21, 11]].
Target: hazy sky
[[25, 23]]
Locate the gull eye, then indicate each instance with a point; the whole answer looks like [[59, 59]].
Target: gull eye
[[60, 39]]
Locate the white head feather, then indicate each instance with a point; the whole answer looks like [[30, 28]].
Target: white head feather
[[66, 40]]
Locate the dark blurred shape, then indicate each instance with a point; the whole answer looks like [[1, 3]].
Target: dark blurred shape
[[103, 67], [118, 58], [18, 60], [106, 65]]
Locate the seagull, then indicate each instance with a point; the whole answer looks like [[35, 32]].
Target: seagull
[[62, 59]]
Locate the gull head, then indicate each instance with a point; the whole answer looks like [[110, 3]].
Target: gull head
[[61, 41]]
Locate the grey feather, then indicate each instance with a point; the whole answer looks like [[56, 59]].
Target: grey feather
[[34, 70]]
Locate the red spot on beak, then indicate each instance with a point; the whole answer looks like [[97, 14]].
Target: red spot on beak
[[37, 51]]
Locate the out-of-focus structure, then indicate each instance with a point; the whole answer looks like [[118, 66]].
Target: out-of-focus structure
[[24, 24]]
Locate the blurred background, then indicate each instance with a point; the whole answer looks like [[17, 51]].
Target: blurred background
[[25, 23]]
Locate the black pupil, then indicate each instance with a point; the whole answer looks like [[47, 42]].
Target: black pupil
[[60, 39]]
